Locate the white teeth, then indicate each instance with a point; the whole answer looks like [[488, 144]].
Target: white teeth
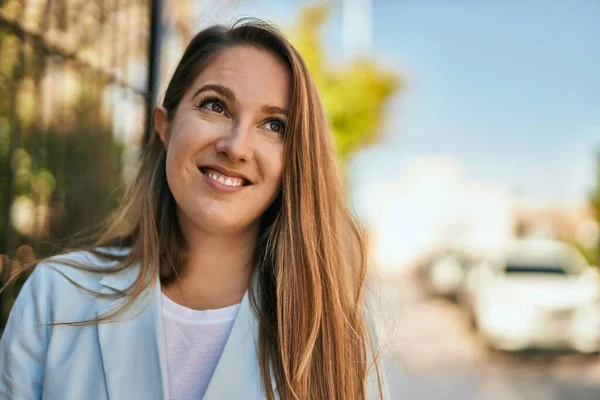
[[224, 180]]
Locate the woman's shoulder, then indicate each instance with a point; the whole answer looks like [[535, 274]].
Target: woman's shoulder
[[68, 284], [84, 267], [65, 287], [76, 273]]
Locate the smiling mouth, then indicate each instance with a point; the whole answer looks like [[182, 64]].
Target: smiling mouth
[[223, 179]]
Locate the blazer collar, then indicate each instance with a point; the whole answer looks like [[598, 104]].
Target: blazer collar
[[134, 351], [133, 346], [237, 375]]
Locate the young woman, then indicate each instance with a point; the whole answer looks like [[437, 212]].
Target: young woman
[[233, 268]]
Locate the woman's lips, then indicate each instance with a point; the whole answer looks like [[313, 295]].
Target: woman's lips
[[222, 182]]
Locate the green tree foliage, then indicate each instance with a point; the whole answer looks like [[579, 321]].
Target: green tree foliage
[[57, 179], [354, 95]]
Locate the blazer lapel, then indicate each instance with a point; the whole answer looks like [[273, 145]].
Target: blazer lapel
[[133, 347], [237, 375]]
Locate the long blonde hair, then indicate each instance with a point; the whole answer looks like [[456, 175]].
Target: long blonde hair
[[310, 257]]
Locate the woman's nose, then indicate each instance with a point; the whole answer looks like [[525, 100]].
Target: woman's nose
[[235, 144]]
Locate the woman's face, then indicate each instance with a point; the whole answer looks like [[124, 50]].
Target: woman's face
[[225, 141]]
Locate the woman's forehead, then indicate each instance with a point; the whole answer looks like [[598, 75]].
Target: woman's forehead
[[250, 74]]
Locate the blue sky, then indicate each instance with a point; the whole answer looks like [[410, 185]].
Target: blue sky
[[510, 88]]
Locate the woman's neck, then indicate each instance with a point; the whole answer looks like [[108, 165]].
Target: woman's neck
[[217, 270]]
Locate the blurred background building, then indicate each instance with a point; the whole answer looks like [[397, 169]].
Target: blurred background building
[[462, 128]]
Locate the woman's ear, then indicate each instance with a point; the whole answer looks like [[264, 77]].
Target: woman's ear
[[161, 124]]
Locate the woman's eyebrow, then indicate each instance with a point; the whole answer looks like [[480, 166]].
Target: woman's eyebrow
[[222, 90], [274, 110]]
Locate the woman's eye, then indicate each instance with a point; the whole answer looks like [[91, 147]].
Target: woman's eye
[[213, 105], [275, 126]]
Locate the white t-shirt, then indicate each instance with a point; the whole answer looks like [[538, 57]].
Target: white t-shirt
[[195, 340]]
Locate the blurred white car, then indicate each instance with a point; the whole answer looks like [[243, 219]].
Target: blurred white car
[[542, 295]]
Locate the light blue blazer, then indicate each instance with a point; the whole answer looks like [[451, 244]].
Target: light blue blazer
[[122, 360]]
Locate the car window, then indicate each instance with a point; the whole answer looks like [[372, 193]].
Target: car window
[[556, 261], [542, 269]]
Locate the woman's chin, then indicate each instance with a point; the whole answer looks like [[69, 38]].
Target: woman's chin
[[220, 224]]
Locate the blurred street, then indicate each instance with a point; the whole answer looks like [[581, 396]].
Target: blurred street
[[436, 356]]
